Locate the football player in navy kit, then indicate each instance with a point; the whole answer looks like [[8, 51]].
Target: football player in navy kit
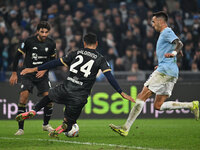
[[84, 65], [37, 50]]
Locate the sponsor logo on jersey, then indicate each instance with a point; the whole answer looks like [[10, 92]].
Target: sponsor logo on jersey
[[37, 63], [74, 81], [34, 56]]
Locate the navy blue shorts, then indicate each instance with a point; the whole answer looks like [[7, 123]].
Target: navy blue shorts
[[73, 103], [28, 84]]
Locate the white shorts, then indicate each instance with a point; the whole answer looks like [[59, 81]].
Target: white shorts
[[160, 83]]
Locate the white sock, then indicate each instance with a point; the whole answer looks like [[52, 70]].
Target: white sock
[[175, 105], [137, 108]]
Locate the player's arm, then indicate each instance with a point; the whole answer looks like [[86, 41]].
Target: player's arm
[[13, 79], [178, 47], [115, 85], [45, 66], [54, 52], [53, 55], [105, 68]]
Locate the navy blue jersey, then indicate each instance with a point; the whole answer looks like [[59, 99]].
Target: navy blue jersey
[[37, 52], [84, 64]]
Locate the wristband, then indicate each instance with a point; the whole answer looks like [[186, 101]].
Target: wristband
[[174, 53]]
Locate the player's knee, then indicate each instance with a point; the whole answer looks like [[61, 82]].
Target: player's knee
[[144, 96], [140, 96], [23, 100], [24, 97]]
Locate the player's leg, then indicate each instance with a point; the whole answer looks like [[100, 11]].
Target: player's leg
[[71, 114], [136, 110], [64, 127], [159, 104], [48, 109], [151, 86], [159, 101], [42, 103], [26, 88], [21, 109], [55, 95], [166, 91], [43, 88]]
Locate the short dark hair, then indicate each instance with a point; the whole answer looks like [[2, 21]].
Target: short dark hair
[[161, 14], [43, 24], [90, 38]]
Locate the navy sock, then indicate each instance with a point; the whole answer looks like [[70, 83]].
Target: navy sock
[[21, 109], [47, 113], [42, 103]]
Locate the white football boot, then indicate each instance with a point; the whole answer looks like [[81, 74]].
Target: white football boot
[[19, 132], [47, 128]]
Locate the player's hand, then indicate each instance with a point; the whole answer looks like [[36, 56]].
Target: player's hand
[[28, 70], [181, 53], [41, 73], [155, 67], [124, 95], [13, 78], [169, 55]]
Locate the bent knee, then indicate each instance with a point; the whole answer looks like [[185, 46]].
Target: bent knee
[[23, 100], [144, 95]]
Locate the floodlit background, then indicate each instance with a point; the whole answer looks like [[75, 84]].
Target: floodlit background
[[124, 31]]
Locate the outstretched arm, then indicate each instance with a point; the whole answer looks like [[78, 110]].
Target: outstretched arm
[[48, 65], [177, 49], [116, 86]]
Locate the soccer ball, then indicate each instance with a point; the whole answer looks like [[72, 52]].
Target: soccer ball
[[74, 132]]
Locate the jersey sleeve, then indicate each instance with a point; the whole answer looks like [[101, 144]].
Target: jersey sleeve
[[21, 50], [170, 36], [22, 47], [104, 66], [66, 60], [53, 52]]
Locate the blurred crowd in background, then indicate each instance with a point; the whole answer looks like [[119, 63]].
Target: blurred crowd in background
[[125, 35]]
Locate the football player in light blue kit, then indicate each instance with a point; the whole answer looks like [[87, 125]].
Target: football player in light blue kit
[[162, 80]]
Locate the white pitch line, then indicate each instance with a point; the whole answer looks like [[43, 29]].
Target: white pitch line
[[82, 143]]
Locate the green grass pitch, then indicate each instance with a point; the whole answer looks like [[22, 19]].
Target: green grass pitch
[[152, 134]]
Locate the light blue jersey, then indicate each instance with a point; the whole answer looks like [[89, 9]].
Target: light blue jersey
[[164, 45]]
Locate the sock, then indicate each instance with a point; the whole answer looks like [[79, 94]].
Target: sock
[[42, 103], [69, 125], [175, 105], [47, 113], [21, 109], [136, 110]]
